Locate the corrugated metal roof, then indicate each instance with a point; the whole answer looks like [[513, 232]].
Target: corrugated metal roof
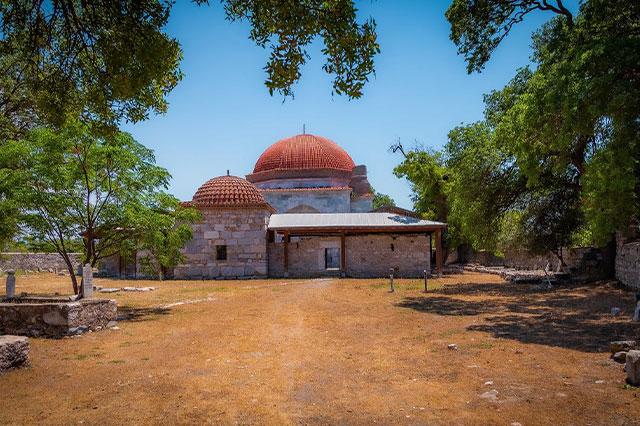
[[347, 220]]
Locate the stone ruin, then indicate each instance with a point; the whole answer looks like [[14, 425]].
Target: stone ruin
[[54, 316]]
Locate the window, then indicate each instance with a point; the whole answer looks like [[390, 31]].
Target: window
[[332, 258], [221, 252]]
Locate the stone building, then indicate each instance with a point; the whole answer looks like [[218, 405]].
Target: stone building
[[305, 210], [229, 241]]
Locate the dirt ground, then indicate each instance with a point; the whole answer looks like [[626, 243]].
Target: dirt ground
[[332, 351]]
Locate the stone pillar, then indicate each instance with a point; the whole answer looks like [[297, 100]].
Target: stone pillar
[[632, 367], [11, 284], [87, 281]]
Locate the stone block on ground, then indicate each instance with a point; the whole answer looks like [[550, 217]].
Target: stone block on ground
[[138, 288], [632, 368], [109, 290], [14, 352]]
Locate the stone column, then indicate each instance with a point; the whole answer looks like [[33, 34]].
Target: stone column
[[87, 281], [11, 284]]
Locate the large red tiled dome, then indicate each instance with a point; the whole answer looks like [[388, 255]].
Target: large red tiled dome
[[304, 152], [228, 191]]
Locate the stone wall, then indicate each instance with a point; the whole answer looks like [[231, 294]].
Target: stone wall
[[367, 256], [320, 201], [374, 254], [628, 263], [37, 262], [242, 231], [587, 263], [49, 317]]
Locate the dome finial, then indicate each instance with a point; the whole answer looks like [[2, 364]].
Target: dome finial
[[304, 129], [227, 172]]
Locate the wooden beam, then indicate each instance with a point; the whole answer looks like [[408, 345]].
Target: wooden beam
[[439, 252], [343, 254], [286, 253]]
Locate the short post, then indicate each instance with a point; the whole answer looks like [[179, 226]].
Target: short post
[[87, 281], [425, 280], [11, 284], [391, 280]]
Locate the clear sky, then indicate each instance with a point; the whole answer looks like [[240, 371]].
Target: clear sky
[[221, 115]]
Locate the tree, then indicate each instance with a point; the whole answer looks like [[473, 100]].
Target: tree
[[576, 124], [107, 61], [382, 200], [162, 232], [79, 184]]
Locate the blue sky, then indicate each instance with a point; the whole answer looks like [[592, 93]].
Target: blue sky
[[221, 115]]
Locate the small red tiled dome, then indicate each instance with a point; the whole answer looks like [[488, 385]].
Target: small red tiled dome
[[228, 191], [304, 152]]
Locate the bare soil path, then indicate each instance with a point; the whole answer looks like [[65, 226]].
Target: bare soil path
[[333, 352]]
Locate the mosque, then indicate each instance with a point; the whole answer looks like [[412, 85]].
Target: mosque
[[304, 211]]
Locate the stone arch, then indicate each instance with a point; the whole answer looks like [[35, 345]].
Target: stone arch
[[303, 208]]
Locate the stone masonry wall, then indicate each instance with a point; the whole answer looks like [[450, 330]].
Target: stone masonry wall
[[243, 231], [628, 264], [373, 255], [366, 255], [37, 262], [329, 201], [54, 317], [587, 263]]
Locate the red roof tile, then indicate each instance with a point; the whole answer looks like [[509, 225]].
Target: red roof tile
[[228, 191], [304, 152]]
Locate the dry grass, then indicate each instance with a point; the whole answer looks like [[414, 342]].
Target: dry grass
[[333, 351]]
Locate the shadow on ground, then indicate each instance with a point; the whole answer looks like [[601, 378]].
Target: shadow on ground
[[575, 317], [129, 313]]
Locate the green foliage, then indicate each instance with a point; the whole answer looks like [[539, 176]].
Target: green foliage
[[76, 184], [479, 26], [426, 172], [289, 27], [382, 200], [559, 162], [163, 230], [107, 61]]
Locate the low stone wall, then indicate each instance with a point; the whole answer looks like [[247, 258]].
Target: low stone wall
[[628, 264], [584, 263], [54, 317], [36, 262]]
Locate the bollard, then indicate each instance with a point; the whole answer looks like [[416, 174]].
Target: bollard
[[87, 281], [11, 284], [425, 280], [391, 280]]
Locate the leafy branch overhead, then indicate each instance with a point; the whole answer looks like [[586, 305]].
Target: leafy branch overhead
[[289, 27], [479, 26]]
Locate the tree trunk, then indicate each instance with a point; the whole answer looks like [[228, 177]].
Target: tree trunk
[[72, 272]]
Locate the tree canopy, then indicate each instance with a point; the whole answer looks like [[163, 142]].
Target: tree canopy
[[74, 184], [289, 27], [556, 161], [104, 63], [382, 200]]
